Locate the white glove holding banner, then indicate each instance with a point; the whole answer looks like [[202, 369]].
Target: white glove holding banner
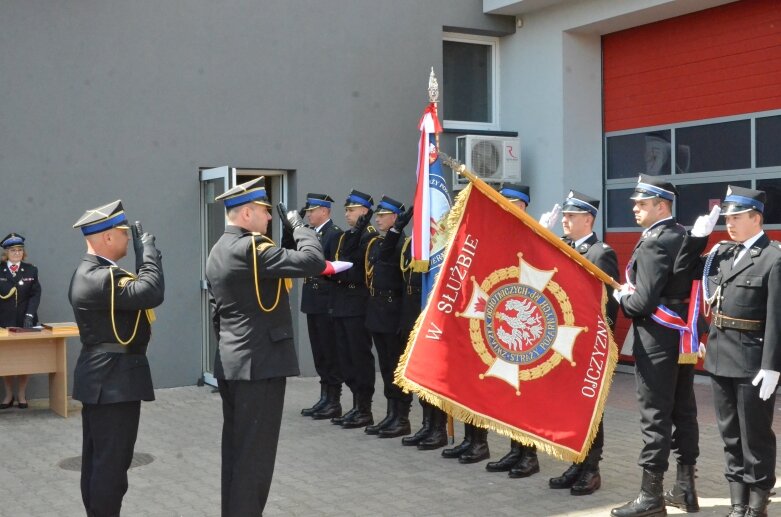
[[704, 224], [769, 380], [336, 266], [625, 290], [550, 219]]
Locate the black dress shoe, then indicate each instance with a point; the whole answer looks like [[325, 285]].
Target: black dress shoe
[[476, 453], [23, 405], [506, 462], [458, 450], [528, 466], [6, 405], [588, 483], [567, 479]]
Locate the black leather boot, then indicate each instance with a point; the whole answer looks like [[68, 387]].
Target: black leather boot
[[683, 495], [390, 415], [506, 462], [339, 420], [738, 495], [455, 452], [478, 449], [425, 427], [589, 481], [333, 406], [399, 426], [527, 466], [650, 501], [567, 479], [758, 500], [437, 436], [363, 415], [317, 405]]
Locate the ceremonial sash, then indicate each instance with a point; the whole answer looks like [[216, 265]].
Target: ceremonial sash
[[689, 342]]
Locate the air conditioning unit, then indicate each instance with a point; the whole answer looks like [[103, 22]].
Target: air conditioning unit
[[494, 159]]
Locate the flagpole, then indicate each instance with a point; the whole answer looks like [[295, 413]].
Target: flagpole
[[536, 227], [433, 98]]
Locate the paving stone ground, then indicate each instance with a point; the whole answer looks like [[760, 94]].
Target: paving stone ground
[[323, 470]]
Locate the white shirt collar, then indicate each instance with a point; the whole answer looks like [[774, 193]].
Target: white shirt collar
[[321, 226], [106, 259], [657, 223], [750, 242], [582, 240]]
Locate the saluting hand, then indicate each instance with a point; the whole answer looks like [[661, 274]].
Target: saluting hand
[[290, 219], [402, 220], [363, 221]]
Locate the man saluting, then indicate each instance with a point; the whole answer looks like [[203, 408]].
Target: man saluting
[[112, 308], [248, 277]]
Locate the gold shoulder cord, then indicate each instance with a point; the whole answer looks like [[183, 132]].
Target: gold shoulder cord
[[404, 268], [339, 246], [257, 280], [366, 267], [113, 323], [12, 292]]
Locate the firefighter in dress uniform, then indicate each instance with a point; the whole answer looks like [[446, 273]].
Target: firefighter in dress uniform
[[354, 342], [113, 310], [665, 390], [316, 304], [383, 314], [741, 282], [433, 430], [248, 279], [579, 212], [20, 295]]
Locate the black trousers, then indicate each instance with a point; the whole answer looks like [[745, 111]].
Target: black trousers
[[252, 414], [668, 410], [109, 434], [389, 350], [356, 360], [746, 426], [322, 337]]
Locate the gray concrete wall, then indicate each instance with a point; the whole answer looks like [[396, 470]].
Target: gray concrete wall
[[107, 99]]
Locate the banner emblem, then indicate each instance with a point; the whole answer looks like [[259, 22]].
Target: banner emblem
[[517, 322]]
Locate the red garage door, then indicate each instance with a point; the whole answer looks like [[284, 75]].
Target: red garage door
[[697, 98]]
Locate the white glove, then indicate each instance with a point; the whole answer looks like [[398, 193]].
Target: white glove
[[704, 224], [769, 379], [624, 291], [550, 219]]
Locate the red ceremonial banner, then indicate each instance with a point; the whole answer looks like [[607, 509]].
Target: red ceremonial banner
[[514, 337]]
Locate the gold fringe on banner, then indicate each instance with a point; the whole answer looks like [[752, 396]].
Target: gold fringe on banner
[[459, 411]]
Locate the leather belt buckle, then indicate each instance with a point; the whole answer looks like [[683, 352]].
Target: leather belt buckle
[[725, 322]]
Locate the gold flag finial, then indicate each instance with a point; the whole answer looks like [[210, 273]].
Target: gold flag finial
[[433, 87]]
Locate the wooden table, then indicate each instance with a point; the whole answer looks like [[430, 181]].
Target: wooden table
[[24, 353]]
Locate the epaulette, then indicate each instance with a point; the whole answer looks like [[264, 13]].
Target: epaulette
[[606, 246], [371, 229], [124, 281], [335, 228]]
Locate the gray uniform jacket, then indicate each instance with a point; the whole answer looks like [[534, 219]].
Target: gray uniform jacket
[[749, 291], [256, 342], [108, 377]]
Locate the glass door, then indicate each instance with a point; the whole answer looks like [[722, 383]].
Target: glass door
[[213, 183]]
